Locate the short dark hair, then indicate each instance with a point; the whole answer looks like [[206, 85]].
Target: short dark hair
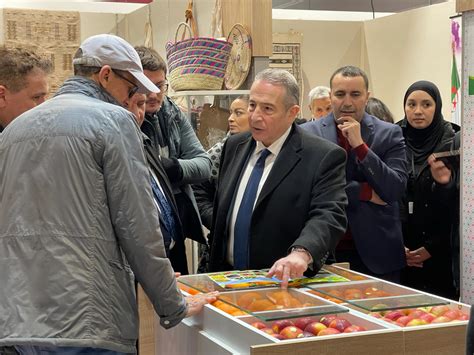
[[377, 108], [150, 59], [17, 63], [351, 71]]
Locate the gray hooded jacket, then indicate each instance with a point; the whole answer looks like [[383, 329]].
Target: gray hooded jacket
[[76, 218]]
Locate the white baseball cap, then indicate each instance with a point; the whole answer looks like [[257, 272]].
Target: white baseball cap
[[105, 49]]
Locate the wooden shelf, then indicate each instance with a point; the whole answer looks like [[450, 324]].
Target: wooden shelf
[[209, 93]]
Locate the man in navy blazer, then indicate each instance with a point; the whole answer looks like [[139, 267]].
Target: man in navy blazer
[[376, 176], [298, 215]]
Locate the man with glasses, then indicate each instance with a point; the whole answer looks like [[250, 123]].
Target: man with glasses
[[78, 222], [23, 82], [183, 157]]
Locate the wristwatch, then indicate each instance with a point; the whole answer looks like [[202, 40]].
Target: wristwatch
[[303, 250]]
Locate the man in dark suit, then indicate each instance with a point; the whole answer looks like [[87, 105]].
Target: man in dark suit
[[170, 223], [376, 176], [280, 198]]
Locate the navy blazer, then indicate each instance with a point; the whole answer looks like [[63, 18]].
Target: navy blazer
[[301, 203], [376, 229]]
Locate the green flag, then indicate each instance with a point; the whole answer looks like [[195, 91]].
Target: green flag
[[455, 83]]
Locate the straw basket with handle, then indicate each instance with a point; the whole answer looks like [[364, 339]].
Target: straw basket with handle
[[197, 63]]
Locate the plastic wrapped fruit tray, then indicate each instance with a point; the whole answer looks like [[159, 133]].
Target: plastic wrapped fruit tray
[[274, 303], [360, 290]]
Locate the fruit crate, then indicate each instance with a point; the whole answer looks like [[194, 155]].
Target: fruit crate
[[274, 303], [357, 290], [214, 331], [217, 332], [442, 333]]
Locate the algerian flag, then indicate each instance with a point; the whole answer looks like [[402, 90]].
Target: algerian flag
[[456, 84]]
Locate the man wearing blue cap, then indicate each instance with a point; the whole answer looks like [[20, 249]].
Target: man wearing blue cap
[[77, 216]]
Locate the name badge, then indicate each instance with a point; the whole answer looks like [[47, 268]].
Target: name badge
[[410, 207]]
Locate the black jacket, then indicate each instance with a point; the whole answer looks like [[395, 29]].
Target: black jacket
[[302, 202]]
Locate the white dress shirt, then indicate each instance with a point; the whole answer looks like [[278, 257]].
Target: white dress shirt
[[274, 149]]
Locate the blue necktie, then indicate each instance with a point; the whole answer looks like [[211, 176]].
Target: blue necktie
[[244, 216], [166, 212]]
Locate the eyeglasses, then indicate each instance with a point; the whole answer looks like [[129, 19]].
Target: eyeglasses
[[131, 91], [163, 86]]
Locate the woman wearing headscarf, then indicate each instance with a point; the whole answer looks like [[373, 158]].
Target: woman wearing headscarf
[[426, 224]]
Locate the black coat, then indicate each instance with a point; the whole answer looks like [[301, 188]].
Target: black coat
[[301, 203], [428, 224], [177, 254]]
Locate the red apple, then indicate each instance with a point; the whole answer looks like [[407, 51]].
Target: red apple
[[328, 331], [278, 336], [268, 331], [380, 307], [415, 322], [314, 327], [407, 311], [291, 332], [303, 322], [463, 317], [452, 313], [308, 334], [327, 319], [375, 314], [258, 325], [280, 324], [340, 324], [388, 320], [354, 329], [394, 315], [417, 313], [428, 317], [403, 320], [441, 319], [439, 310]]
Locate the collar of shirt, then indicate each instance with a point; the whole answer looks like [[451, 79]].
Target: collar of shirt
[[275, 147]]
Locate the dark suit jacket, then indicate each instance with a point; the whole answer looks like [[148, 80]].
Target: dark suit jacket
[[301, 203], [177, 255], [376, 229]]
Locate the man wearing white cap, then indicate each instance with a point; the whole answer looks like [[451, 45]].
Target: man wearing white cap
[[77, 216]]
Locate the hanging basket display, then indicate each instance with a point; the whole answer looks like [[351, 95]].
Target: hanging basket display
[[197, 63]]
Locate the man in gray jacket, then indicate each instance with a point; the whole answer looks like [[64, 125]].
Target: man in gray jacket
[[77, 216]]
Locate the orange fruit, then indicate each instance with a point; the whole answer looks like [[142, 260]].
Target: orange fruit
[[261, 305], [247, 298], [238, 313], [217, 303], [295, 303], [226, 299], [228, 308], [281, 298], [336, 293]]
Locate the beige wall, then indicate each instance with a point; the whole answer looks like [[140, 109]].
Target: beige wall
[[395, 51], [326, 46], [410, 46]]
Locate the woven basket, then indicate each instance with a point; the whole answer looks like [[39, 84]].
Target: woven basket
[[197, 63]]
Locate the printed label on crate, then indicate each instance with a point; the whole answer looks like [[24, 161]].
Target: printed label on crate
[[258, 278]]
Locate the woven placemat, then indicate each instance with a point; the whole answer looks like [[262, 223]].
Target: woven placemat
[[240, 57]]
